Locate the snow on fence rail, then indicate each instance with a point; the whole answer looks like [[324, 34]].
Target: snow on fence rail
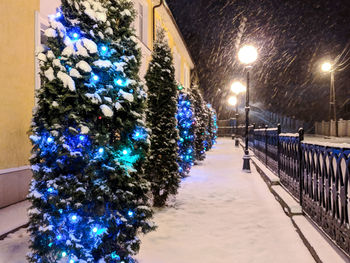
[[317, 176]]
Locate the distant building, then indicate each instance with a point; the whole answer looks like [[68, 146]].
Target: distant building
[[22, 23]]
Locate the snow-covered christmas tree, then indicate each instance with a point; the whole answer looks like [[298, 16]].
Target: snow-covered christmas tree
[[186, 121], [162, 167], [89, 139], [199, 111], [211, 127]]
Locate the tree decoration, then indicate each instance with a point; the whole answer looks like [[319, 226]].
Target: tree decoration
[[186, 125], [162, 167], [89, 195]]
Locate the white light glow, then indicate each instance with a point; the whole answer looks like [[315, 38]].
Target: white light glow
[[247, 54], [237, 87], [232, 101]]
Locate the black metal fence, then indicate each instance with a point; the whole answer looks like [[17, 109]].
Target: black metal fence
[[317, 176]]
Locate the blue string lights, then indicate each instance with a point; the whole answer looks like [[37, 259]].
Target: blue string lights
[[185, 118]]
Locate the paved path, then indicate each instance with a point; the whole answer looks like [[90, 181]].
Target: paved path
[[223, 215]]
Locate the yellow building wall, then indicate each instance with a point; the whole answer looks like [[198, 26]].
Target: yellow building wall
[[172, 44], [17, 80]]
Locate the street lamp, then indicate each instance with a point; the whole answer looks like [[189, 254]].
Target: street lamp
[[328, 67], [237, 88], [232, 101], [247, 55]]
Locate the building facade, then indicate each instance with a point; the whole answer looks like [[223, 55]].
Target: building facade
[[22, 23]]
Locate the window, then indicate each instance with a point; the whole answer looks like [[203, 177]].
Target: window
[[141, 24]]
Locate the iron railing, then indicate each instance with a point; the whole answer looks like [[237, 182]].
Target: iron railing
[[317, 176]]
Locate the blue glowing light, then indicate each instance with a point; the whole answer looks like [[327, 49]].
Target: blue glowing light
[[125, 152], [50, 244], [139, 134], [103, 50], [115, 256], [71, 261], [100, 150], [58, 14], [73, 218], [130, 213], [119, 221], [95, 230], [59, 237], [82, 137], [75, 36], [50, 140], [60, 211], [64, 254], [121, 83], [50, 190]]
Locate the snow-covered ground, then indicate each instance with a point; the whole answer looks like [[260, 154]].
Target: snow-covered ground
[[330, 141], [221, 215]]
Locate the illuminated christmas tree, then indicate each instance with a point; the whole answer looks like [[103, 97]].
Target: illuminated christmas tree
[[89, 141], [186, 121], [162, 167]]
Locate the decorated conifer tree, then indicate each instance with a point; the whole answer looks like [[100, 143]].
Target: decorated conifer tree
[[162, 168], [214, 125], [199, 111], [186, 121], [89, 195], [211, 127]]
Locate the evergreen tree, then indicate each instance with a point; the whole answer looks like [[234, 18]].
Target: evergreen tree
[[186, 121], [199, 111], [89, 195], [211, 131], [162, 167]]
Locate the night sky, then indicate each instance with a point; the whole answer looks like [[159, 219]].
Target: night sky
[[293, 38]]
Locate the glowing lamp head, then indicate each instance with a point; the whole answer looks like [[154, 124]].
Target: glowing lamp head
[[137, 134], [237, 87], [232, 101], [95, 78], [74, 218], [125, 152], [50, 190], [94, 230], [326, 67], [81, 137], [64, 254], [58, 14], [100, 150], [71, 261], [247, 54], [50, 140]]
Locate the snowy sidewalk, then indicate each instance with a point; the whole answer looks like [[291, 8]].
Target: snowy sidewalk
[[223, 215]]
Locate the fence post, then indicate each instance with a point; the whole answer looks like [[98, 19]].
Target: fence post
[[300, 168], [278, 149], [266, 145]]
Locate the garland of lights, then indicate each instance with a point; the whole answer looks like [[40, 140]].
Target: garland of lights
[[186, 121]]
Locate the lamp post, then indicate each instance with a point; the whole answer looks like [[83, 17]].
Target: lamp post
[[328, 67], [237, 88], [247, 55]]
